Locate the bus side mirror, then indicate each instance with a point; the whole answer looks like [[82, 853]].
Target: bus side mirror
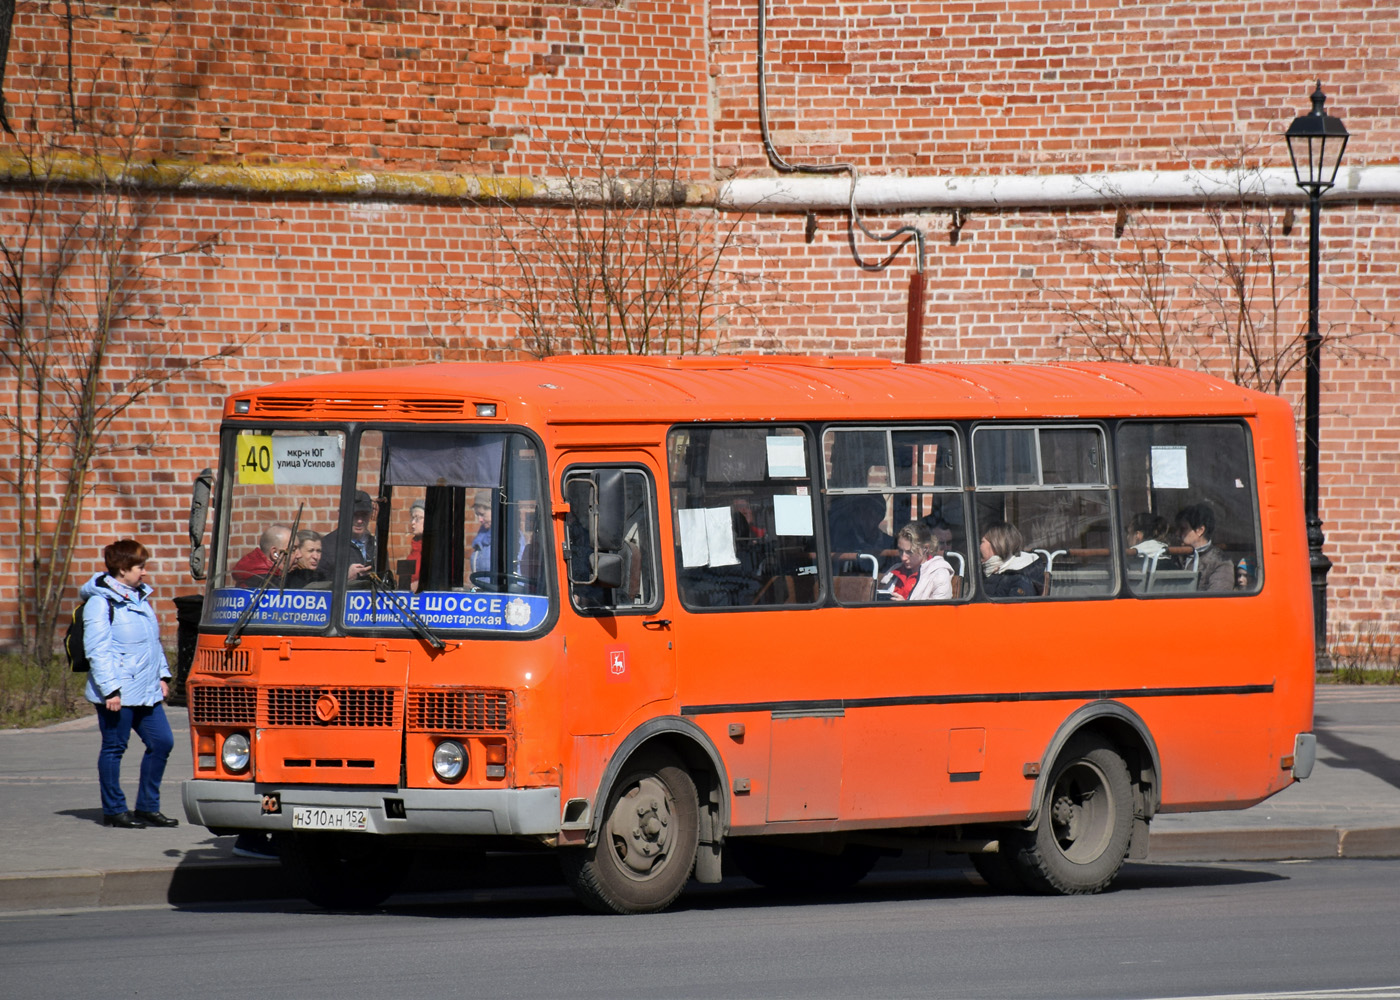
[[611, 511], [199, 513], [596, 508]]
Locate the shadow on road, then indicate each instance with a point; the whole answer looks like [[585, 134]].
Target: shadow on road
[[543, 895], [1354, 756], [92, 815]]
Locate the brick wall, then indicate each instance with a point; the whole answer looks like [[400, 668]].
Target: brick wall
[[309, 285]]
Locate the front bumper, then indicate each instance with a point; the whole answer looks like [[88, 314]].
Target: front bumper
[[238, 805]]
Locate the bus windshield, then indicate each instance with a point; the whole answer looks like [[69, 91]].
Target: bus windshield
[[390, 529]]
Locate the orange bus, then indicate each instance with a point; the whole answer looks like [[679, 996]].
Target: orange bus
[[796, 613]]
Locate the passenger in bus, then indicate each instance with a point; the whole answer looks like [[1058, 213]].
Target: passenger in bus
[[855, 528], [481, 544], [306, 560], [1147, 540], [1196, 525], [1008, 570], [359, 549], [528, 558], [269, 556], [415, 543], [922, 568]]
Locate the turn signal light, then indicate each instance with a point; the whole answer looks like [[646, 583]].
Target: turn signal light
[[495, 760], [206, 753]]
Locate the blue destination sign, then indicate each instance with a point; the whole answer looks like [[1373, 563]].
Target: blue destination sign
[[447, 610], [296, 608], [363, 609]]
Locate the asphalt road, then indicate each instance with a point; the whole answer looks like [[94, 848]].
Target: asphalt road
[[1310, 928]]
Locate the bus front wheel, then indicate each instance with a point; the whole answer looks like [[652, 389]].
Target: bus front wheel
[[1086, 822], [646, 845]]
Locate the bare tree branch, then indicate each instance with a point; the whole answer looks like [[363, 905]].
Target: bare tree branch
[[621, 264]]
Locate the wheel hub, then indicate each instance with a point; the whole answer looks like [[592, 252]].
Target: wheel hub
[[641, 827]]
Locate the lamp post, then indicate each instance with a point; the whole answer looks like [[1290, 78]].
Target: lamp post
[[1316, 142]]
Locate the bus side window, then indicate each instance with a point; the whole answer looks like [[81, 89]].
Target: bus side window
[[742, 503], [1043, 506], [880, 480], [1173, 472]]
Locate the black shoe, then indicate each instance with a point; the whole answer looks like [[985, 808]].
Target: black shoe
[[155, 819], [124, 820]]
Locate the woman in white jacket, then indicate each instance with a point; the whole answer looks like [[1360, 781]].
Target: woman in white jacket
[[128, 681], [919, 550]]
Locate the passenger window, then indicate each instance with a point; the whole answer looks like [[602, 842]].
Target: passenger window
[[1189, 508], [618, 575], [742, 502], [1043, 516], [890, 491]]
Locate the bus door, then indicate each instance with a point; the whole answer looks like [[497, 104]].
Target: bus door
[[618, 637]]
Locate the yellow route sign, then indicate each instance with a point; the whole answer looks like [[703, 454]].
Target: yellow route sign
[[255, 459]]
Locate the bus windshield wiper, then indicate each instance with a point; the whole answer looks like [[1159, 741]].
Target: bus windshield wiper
[[377, 586], [232, 639], [279, 570]]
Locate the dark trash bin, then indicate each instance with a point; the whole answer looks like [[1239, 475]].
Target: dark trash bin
[[188, 610]]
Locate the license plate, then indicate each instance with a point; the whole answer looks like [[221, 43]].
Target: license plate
[[329, 819]]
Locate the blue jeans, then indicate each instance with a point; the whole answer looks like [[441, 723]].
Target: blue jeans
[[150, 724]]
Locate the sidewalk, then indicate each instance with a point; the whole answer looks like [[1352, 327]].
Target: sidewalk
[[54, 852]]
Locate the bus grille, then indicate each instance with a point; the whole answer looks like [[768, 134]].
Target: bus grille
[[282, 406], [362, 708], [222, 661], [458, 711], [223, 706]]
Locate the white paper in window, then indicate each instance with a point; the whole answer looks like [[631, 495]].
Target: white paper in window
[[787, 457], [695, 548], [1169, 467], [719, 535], [792, 515]]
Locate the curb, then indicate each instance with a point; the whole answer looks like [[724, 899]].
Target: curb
[[206, 883], [231, 882]]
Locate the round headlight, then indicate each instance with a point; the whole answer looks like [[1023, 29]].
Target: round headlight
[[235, 752], [450, 760]]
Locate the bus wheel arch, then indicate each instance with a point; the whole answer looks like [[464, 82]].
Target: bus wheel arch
[[662, 789], [1124, 730], [1095, 792]]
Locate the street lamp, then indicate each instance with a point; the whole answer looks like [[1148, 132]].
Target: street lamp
[[1316, 142]]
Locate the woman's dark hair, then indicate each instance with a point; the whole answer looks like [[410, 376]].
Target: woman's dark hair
[[123, 554], [1198, 515], [1152, 526]]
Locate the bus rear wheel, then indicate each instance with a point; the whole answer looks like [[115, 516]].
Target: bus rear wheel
[[1086, 822], [646, 846], [343, 872]]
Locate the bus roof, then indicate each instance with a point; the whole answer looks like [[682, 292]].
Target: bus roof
[[596, 389]]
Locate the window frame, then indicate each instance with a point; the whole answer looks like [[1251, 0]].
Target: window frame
[[812, 479], [658, 580]]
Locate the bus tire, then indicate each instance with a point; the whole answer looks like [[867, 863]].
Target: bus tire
[[793, 870], [647, 843], [343, 872], [1086, 822]]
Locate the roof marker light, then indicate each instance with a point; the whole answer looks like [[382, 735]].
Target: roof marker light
[[485, 409]]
